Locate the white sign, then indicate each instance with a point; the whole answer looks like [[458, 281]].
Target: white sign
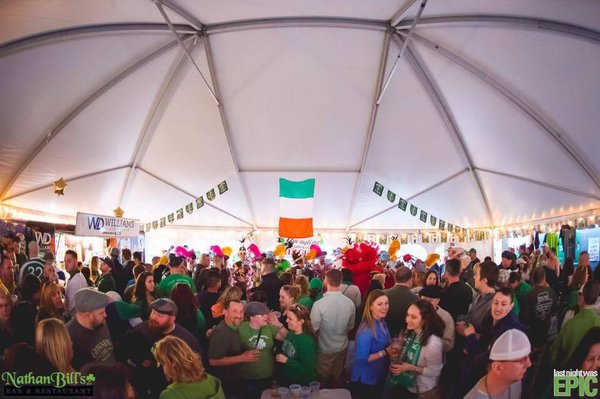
[[304, 244], [594, 249], [89, 225]]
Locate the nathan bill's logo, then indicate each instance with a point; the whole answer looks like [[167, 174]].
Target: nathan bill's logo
[[569, 383], [55, 384]]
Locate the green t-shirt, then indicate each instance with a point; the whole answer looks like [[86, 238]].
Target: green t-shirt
[[301, 351], [208, 388], [168, 283], [521, 292], [263, 367]]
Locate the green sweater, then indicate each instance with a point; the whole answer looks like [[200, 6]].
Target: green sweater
[[301, 351], [571, 334], [521, 293], [106, 283], [208, 388], [168, 283]]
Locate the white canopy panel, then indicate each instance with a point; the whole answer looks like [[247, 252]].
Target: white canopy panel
[[490, 117]]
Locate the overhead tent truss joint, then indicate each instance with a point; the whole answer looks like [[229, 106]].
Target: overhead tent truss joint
[[403, 12], [371, 127], [187, 53], [83, 106], [182, 13], [439, 102], [402, 49], [560, 138]]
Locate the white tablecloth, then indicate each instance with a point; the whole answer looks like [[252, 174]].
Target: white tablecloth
[[335, 394]]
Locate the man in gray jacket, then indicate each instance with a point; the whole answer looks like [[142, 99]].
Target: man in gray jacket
[[332, 318]]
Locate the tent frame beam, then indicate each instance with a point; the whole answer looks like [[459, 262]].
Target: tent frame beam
[[181, 190], [403, 12], [47, 138], [373, 118], [445, 113], [540, 183], [68, 180], [557, 136], [510, 21], [150, 125], [227, 128], [87, 31], [290, 22], [435, 185]]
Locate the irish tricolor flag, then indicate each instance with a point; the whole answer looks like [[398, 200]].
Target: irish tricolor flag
[[296, 208]]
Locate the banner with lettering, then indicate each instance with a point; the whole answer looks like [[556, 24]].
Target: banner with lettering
[[89, 225]]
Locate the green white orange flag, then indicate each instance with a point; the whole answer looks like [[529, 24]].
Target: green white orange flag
[[296, 208]]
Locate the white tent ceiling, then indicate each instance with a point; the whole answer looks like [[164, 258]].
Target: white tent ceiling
[[490, 117]]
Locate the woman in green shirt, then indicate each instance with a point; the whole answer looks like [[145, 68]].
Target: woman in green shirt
[[299, 357], [184, 370]]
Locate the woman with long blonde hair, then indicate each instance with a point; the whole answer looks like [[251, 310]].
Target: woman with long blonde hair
[[184, 370], [51, 302], [53, 341], [371, 359]]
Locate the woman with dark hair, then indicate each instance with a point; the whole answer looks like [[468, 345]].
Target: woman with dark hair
[[299, 350], [587, 354], [372, 340], [417, 369], [431, 278], [87, 274], [189, 315], [52, 303], [144, 294], [184, 370], [30, 289]]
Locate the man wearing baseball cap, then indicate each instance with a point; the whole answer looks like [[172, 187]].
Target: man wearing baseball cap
[[137, 346], [508, 362], [88, 330], [106, 282]]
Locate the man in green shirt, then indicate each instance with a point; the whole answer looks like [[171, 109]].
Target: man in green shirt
[[573, 330], [106, 282], [178, 276], [225, 354], [259, 333]]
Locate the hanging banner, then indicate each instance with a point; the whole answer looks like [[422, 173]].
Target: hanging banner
[[442, 224], [89, 225], [189, 208], [199, 202], [222, 187], [211, 195], [402, 204], [378, 188], [391, 196], [413, 210], [423, 216], [179, 213], [432, 220]]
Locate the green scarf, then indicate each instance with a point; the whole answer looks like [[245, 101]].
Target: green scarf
[[410, 354]]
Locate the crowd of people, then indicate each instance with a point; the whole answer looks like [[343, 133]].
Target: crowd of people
[[182, 327]]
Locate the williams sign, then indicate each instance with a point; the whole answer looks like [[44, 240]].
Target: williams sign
[[106, 226]]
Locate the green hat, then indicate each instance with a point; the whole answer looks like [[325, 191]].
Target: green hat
[[316, 284], [472, 251]]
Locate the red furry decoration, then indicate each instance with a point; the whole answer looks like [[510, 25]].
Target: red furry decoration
[[362, 259]]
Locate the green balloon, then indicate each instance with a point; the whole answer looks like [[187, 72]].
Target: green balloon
[[284, 265]]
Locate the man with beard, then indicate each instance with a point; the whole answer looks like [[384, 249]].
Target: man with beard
[[136, 347], [225, 349], [88, 330]]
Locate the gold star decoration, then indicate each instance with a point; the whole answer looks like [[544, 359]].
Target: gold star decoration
[[119, 212], [59, 186]]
